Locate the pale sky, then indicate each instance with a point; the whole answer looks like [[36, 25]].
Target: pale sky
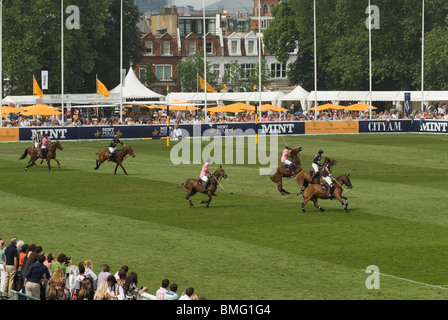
[[197, 4]]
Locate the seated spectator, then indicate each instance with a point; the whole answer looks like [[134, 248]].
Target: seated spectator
[[160, 294], [187, 294], [171, 294], [131, 290]]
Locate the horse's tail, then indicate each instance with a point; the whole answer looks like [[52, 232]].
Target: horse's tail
[[24, 154]]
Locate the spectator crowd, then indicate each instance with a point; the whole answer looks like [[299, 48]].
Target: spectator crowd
[[437, 112], [29, 270]]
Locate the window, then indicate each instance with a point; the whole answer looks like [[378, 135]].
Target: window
[[163, 72], [148, 45], [265, 9], [251, 47], [233, 47], [142, 73], [215, 68], [209, 47], [191, 47], [278, 70], [247, 67], [166, 48]]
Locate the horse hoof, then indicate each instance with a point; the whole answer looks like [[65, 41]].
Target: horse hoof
[[322, 210]]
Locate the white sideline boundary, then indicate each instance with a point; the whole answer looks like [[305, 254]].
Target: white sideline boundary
[[443, 286]]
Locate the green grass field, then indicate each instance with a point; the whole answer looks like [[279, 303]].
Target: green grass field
[[252, 243]]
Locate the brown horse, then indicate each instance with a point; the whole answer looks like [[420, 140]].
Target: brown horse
[[103, 155], [28, 152], [191, 186], [315, 191], [303, 177], [278, 173], [51, 154]]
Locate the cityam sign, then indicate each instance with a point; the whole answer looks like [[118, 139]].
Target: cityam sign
[[376, 126]]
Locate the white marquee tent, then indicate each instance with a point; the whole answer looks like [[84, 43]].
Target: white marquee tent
[[217, 98], [134, 89]]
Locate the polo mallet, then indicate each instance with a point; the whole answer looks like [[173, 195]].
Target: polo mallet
[[222, 188], [339, 185]]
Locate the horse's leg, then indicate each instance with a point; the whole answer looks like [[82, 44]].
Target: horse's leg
[[116, 167], [189, 201], [305, 200], [48, 163], [98, 163], [59, 165], [280, 186], [343, 203], [316, 205], [209, 199], [123, 169], [190, 194]]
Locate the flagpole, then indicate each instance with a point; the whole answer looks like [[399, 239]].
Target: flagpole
[[423, 52], [259, 72], [205, 63], [1, 63], [121, 63], [370, 60], [315, 64], [62, 60]]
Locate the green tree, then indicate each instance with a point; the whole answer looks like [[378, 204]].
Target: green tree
[[233, 76], [343, 42], [32, 42], [254, 80]]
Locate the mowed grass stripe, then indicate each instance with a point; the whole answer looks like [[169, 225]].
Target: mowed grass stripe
[[154, 259], [251, 212]]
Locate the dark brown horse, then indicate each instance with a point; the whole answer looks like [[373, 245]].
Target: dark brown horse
[[303, 177], [315, 191], [51, 154], [103, 155], [191, 186], [278, 173]]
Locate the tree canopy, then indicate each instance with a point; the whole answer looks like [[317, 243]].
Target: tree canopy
[[343, 43], [32, 42]]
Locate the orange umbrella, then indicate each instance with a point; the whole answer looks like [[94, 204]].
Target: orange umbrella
[[270, 107], [224, 108], [40, 110], [7, 109], [183, 108], [359, 107]]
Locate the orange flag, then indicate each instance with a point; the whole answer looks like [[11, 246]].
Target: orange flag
[[36, 89], [209, 87], [101, 89]]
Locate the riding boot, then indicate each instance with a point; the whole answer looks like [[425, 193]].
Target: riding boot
[[329, 195], [312, 177], [110, 157], [205, 186], [292, 168]]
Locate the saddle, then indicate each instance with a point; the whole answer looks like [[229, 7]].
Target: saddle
[[316, 178]]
